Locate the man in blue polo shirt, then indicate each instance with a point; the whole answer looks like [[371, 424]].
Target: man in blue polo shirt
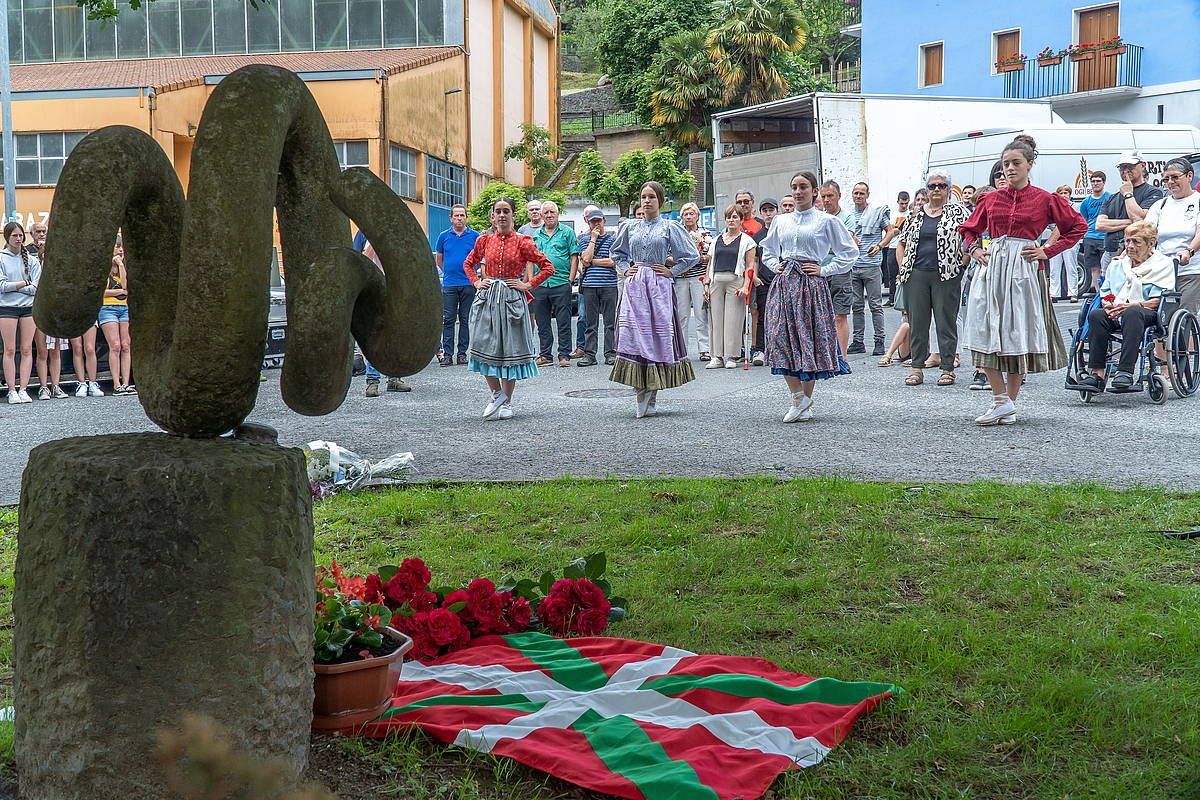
[[457, 292], [598, 289], [553, 298]]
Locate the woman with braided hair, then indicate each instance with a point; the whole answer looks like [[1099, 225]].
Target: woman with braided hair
[[20, 272]]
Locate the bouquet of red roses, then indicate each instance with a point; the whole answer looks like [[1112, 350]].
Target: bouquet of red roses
[[446, 619]]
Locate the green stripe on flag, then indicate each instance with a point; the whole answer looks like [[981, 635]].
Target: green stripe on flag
[[626, 749], [821, 690], [564, 663], [516, 702]]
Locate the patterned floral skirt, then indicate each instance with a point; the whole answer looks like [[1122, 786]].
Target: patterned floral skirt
[[801, 337]]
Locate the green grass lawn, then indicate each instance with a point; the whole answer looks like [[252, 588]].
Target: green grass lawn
[[1048, 639], [574, 81]]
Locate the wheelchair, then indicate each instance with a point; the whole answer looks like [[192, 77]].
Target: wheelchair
[[1176, 334]]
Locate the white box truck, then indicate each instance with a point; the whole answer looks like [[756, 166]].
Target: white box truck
[[1067, 153], [882, 139]]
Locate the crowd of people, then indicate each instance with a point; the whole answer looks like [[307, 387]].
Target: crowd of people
[[789, 284], [786, 284], [27, 346]]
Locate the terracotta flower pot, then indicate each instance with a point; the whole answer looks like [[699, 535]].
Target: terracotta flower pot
[[349, 695], [1083, 55], [1053, 61], [1113, 51], [1010, 67]]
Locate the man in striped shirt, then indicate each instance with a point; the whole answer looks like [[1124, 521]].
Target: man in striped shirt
[[598, 288]]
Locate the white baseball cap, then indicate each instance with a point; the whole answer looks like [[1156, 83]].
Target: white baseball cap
[[1129, 158]]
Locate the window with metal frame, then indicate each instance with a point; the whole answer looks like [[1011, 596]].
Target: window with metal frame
[[353, 153], [403, 172], [40, 156], [445, 183]]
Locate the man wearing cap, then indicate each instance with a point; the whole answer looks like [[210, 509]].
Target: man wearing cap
[[598, 287], [1128, 204]]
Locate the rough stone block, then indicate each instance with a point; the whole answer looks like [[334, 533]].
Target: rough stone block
[[158, 575]]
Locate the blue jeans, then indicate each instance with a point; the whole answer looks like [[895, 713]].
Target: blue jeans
[[372, 373], [581, 326], [456, 307]]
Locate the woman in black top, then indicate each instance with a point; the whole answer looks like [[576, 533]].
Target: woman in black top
[[728, 285], [931, 258]]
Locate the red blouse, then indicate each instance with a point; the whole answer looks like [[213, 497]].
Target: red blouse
[[505, 256], [1024, 214]]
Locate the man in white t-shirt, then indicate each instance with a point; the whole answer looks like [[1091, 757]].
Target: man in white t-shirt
[[1177, 217]]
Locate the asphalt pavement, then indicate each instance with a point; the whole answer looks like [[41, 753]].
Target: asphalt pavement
[[573, 421]]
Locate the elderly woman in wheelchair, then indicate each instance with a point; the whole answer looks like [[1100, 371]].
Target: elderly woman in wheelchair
[[1130, 297]]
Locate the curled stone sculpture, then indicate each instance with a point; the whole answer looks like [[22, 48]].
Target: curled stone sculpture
[[189, 557], [199, 268]]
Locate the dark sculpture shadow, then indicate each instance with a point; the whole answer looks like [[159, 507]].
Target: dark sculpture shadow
[[199, 267]]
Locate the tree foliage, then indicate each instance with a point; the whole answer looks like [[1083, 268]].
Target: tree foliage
[[748, 45], [619, 184], [534, 148], [684, 89], [477, 211], [633, 33], [826, 43]]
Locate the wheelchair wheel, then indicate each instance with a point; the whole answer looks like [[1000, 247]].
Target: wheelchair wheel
[[1183, 353], [1157, 388], [1087, 397]]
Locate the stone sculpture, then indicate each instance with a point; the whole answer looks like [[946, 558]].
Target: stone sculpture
[[159, 574]]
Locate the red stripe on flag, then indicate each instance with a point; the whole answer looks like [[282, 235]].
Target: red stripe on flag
[[600, 649], [486, 651], [729, 771], [742, 665], [828, 723], [444, 722], [411, 691], [566, 754]]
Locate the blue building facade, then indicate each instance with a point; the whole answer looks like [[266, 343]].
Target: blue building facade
[[944, 48]]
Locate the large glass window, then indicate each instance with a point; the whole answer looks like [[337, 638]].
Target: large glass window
[[445, 183], [39, 31], [296, 16], [432, 22], [403, 172], [40, 156], [399, 23], [196, 19], [68, 32], [164, 27], [229, 16], [101, 40], [353, 154], [15, 53], [131, 33], [366, 20], [262, 27], [329, 24]]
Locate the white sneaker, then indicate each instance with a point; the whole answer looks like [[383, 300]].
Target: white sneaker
[[24, 397], [1002, 406], [498, 401], [716, 363], [759, 359], [505, 412], [44, 393], [13, 397], [57, 393], [801, 409], [94, 390], [651, 407], [731, 364], [81, 389], [1011, 419], [643, 403]]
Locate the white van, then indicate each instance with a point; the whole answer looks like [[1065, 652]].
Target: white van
[[1066, 153]]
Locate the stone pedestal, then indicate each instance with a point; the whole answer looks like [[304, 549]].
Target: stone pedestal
[[156, 576]]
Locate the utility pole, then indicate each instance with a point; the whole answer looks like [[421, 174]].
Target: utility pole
[[10, 156]]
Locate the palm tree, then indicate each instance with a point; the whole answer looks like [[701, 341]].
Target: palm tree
[[684, 89], [745, 48]]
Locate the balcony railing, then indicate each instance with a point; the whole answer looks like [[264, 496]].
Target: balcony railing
[[843, 77], [853, 14], [1104, 69], [588, 122]]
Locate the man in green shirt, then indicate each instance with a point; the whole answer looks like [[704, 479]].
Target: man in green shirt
[[553, 298]]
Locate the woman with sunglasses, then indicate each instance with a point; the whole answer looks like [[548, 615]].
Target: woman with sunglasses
[[1177, 219], [931, 259], [1011, 329]]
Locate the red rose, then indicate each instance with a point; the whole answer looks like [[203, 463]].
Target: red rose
[[374, 589], [518, 615], [444, 626], [416, 573], [575, 606], [554, 610], [423, 601], [591, 622], [417, 627], [412, 577], [484, 604], [457, 596]]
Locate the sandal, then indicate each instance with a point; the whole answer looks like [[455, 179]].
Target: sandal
[[946, 379], [705, 357], [915, 379], [886, 361]]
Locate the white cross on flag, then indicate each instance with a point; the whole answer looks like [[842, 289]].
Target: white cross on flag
[[629, 718]]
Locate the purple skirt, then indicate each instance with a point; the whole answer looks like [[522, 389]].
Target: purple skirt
[[651, 351], [801, 337]]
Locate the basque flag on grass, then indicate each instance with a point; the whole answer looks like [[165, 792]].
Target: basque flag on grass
[[629, 718]]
